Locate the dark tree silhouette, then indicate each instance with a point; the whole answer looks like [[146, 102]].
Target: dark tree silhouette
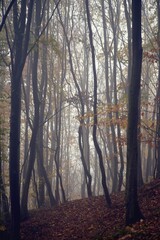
[[21, 23], [133, 212], [6, 14]]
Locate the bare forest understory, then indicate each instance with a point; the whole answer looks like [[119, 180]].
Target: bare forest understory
[[91, 219]]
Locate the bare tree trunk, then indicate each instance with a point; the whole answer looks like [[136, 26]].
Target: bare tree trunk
[[4, 206], [18, 57], [42, 97], [40, 162], [25, 190], [129, 32], [99, 152], [139, 165], [148, 172], [52, 199], [108, 97], [133, 212], [26, 95], [158, 99], [88, 175]]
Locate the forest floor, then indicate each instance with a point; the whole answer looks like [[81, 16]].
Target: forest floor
[[91, 219]]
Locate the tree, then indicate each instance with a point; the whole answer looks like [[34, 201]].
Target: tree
[[97, 147], [35, 127], [4, 126], [88, 177], [133, 212], [6, 14], [158, 97], [22, 16], [4, 206], [36, 124], [69, 78]]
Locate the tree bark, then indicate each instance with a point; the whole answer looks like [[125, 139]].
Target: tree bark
[[158, 99], [4, 206], [25, 190], [99, 152], [108, 98], [88, 177], [86, 170], [133, 212], [18, 57]]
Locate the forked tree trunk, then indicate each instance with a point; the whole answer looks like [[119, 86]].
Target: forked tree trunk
[[80, 131], [31, 160], [21, 29]]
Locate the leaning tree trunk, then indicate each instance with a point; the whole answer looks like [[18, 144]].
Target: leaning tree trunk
[[47, 182], [25, 190], [99, 152], [42, 96], [88, 176], [133, 212]]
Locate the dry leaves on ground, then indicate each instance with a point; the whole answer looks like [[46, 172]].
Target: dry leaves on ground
[[91, 219]]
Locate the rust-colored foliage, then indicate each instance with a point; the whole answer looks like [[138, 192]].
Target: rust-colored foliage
[[91, 219]]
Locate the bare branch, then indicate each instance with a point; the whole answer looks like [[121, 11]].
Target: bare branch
[[6, 14]]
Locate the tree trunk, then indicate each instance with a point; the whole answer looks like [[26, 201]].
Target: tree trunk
[[86, 170], [133, 212], [158, 99], [32, 156], [4, 206], [48, 185], [114, 144], [129, 32], [99, 152], [22, 33], [88, 176], [139, 165], [42, 96], [25, 190]]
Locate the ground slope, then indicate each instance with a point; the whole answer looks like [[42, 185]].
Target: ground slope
[[91, 219]]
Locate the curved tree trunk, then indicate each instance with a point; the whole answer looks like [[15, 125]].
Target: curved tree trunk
[[32, 156], [25, 190], [48, 184], [99, 152], [86, 170], [88, 176]]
